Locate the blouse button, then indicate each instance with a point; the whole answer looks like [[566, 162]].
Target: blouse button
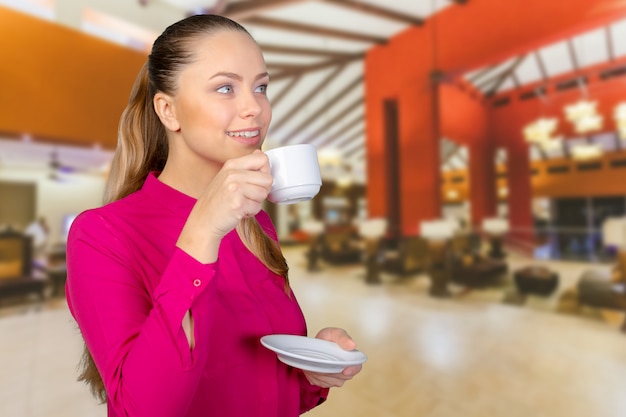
[[197, 282]]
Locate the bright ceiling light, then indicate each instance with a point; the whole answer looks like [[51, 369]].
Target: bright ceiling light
[[588, 124], [552, 144], [581, 110], [541, 130], [584, 152], [584, 115], [540, 133]]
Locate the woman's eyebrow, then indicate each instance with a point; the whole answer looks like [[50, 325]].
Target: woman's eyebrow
[[237, 76]]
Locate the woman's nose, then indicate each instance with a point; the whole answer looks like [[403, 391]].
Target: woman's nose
[[250, 105]]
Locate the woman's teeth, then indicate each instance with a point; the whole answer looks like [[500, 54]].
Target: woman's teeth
[[246, 134]]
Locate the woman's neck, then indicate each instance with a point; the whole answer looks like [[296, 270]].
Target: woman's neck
[[189, 179]]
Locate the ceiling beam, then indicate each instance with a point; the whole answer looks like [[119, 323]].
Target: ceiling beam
[[572, 55], [284, 72], [243, 10], [342, 143], [353, 148], [279, 97], [504, 75], [487, 83], [516, 80], [474, 78], [377, 11], [349, 125], [315, 30], [349, 108], [277, 49], [609, 43], [542, 66], [317, 89], [275, 67], [357, 82]]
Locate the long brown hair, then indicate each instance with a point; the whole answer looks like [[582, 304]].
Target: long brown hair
[[142, 145]]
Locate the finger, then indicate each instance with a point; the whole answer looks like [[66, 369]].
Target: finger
[[330, 333], [251, 162], [265, 168], [346, 342], [337, 335], [260, 184], [351, 371], [249, 183], [330, 380]]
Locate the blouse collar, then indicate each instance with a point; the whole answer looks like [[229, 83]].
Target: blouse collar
[[167, 196]]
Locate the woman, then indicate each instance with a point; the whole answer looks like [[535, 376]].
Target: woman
[[176, 279]]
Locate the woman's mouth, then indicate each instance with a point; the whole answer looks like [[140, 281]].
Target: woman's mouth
[[250, 137]]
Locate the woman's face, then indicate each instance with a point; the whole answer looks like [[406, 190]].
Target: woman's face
[[220, 105]]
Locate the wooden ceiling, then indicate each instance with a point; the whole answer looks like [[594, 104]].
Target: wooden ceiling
[[314, 51]]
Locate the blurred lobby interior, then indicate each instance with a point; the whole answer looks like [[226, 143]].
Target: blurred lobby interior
[[470, 232]]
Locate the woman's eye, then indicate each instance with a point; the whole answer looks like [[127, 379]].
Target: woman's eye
[[261, 89], [225, 89]]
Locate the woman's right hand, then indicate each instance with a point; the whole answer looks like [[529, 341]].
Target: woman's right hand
[[237, 191]]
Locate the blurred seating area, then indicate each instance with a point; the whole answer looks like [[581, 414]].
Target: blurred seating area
[[452, 262], [25, 277]]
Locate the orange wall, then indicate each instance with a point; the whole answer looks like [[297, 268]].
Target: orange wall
[[607, 181], [59, 84], [457, 181]]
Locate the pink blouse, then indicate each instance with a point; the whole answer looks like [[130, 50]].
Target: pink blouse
[[129, 286]]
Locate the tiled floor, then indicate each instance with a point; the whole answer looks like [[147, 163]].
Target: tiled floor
[[471, 355]]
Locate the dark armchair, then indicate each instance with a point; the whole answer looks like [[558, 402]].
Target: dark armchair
[[471, 269], [601, 289], [16, 278]]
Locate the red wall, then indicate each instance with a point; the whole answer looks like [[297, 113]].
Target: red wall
[[390, 75], [508, 121], [467, 36], [465, 120]]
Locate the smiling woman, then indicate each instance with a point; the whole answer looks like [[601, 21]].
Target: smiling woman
[[176, 280]]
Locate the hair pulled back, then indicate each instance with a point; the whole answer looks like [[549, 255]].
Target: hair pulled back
[[142, 145]]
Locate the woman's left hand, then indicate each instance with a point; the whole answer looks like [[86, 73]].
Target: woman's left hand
[[342, 338]]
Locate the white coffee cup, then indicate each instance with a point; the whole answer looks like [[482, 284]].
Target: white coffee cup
[[296, 173]]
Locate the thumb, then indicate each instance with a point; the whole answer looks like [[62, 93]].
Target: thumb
[[346, 343]]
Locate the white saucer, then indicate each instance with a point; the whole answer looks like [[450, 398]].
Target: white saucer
[[312, 354]]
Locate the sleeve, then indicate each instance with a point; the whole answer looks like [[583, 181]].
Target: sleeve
[[310, 395], [137, 340]]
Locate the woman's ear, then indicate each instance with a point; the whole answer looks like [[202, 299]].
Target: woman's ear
[[164, 108]]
